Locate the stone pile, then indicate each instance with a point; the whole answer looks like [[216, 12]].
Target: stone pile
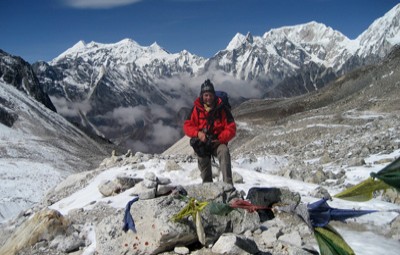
[[239, 232]]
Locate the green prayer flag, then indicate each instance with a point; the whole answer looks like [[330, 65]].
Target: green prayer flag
[[362, 191], [331, 242], [390, 174], [220, 209]]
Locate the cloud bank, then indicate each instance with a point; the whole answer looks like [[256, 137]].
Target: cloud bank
[[153, 128]]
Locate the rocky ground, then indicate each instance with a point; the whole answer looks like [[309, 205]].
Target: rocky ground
[[355, 116], [320, 134]]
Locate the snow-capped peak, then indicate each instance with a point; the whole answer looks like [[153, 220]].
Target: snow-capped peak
[[156, 48], [249, 38], [79, 46], [126, 51], [127, 41], [382, 34], [311, 32], [236, 41]]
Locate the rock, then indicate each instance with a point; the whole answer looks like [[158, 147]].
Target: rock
[[181, 250], [70, 243], [128, 153], [321, 192], [150, 176], [356, 162], [293, 238], [164, 189], [270, 236], [156, 232], [243, 221], [319, 176], [163, 180], [325, 159], [294, 250], [149, 183], [125, 181], [233, 244], [143, 192], [171, 165], [44, 225], [269, 196], [237, 178], [391, 195], [108, 188], [395, 228]]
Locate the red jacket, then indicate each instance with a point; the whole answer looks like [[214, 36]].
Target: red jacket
[[224, 127]]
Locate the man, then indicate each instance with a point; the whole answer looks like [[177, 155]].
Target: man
[[210, 125]]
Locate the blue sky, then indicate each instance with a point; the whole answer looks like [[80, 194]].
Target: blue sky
[[43, 29]]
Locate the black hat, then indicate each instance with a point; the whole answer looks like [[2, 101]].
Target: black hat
[[207, 86]]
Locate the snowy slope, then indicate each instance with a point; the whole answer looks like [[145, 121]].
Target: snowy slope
[[39, 150]]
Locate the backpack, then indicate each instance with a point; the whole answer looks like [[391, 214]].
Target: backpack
[[224, 97]]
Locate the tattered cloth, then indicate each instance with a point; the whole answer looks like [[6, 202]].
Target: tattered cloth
[[321, 213], [240, 203], [128, 220]]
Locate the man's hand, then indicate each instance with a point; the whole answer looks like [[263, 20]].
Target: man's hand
[[202, 136]]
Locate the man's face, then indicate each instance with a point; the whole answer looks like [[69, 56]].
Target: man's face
[[208, 98]]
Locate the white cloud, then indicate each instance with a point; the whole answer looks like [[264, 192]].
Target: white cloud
[[98, 4], [127, 115], [189, 87], [70, 109], [159, 111], [164, 134]]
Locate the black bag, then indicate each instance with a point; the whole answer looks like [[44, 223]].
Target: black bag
[[225, 98], [201, 149]]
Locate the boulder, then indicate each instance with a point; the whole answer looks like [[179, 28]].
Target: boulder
[[264, 196], [109, 188], [44, 225], [235, 245], [156, 232]]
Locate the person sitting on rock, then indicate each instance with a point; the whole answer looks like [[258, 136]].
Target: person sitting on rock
[[210, 125]]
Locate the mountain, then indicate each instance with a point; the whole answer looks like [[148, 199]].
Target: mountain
[[19, 73], [294, 60], [120, 90], [137, 96], [279, 53], [298, 59], [379, 39], [39, 148]]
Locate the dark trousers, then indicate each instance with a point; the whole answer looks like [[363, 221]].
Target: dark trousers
[[224, 159]]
